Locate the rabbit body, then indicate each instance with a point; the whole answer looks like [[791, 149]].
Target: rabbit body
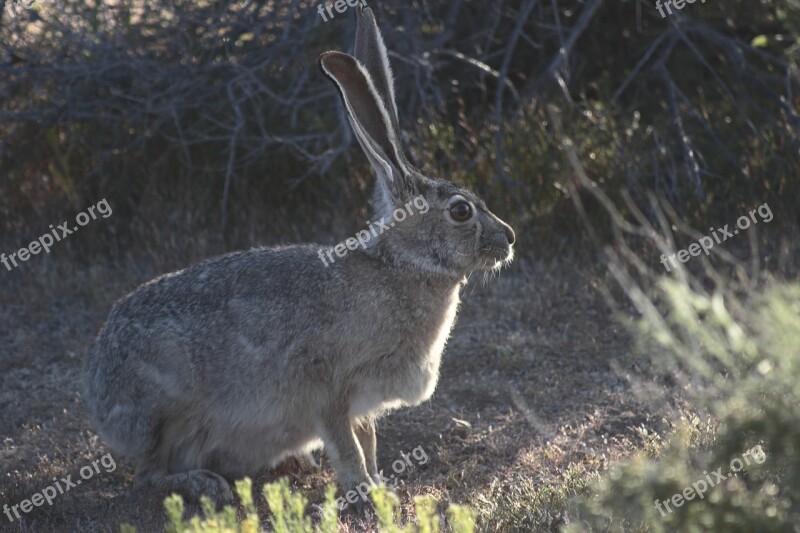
[[237, 362], [229, 366]]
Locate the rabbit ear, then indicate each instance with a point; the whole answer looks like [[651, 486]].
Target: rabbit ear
[[370, 51], [372, 124]]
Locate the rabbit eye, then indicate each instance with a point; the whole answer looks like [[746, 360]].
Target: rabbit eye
[[461, 211]]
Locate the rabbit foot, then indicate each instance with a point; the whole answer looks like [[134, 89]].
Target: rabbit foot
[[363, 507], [196, 483]]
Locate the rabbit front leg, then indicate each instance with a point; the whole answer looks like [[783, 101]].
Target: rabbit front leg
[[365, 432], [347, 457]]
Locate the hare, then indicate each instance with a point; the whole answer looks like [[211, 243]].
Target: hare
[[214, 372]]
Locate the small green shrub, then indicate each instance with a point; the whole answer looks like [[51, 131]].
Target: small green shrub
[[739, 358], [289, 513]]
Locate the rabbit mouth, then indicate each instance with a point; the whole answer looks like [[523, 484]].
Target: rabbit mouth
[[497, 259]]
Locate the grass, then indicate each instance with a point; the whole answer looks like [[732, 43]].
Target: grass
[[289, 514]]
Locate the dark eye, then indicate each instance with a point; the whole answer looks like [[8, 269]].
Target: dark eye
[[461, 211]]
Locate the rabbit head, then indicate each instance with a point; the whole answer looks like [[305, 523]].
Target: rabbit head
[[433, 225]]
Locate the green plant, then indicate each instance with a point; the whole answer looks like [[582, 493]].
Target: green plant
[[740, 361], [288, 513]]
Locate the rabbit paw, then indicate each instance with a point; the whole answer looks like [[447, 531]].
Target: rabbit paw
[[197, 483], [363, 507], [357, 499]]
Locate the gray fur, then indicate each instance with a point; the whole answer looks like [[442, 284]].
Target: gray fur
[[228, 366]]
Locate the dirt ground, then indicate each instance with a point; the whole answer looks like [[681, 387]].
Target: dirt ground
[[533, 389]]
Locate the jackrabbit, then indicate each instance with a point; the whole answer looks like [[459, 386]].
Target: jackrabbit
[[216, 371]]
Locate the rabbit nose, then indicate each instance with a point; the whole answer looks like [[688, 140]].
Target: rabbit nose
[[510, 235]]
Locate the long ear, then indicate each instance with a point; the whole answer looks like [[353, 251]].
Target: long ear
[[370, 51], [371, 123]]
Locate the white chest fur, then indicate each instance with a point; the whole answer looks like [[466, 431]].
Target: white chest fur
[[414, 368]]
